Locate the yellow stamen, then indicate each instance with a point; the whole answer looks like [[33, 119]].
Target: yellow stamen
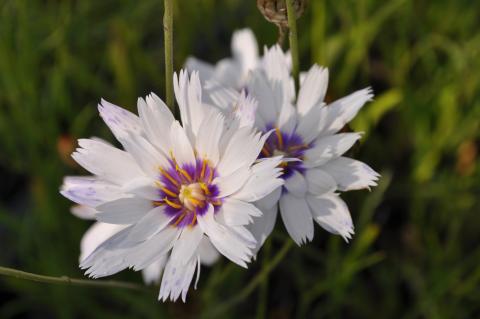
[[157, 203], [216, 203], [172, 204], [168, 192], [204, 188], [183, 172], [297, 147], [210, 177], [279, 137], [194, 219], [195, 202], [168, 176], [265, 151], [204, 167], [184, 213]]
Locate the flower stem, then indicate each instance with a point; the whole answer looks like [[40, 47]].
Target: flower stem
[[253, 284], [15, 273], [293, 37], [168, 40]]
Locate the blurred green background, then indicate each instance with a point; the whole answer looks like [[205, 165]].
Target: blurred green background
[[416, 251]]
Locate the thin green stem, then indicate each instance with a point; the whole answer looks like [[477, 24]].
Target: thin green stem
[[64, 280], [293, 37], [168, 40], [253, 284]]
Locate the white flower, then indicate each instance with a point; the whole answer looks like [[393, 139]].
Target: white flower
[[306, 134], [173, 188], [232, 72]]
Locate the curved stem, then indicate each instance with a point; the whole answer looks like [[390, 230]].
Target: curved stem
[[168, 40], [252, 285], [64, 280], [293, 37]]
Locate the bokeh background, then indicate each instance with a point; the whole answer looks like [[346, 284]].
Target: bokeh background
[[416, 251]]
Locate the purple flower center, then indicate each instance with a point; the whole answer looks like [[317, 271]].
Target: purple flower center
[[186, 191], [290, 145]]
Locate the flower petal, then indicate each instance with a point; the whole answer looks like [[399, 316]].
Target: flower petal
[[262, 226], [181, 147], [156, 119], [151, 274], [177, 278], [245, 49], [319, 182], [351, 174], [329, 147], [106, 161], [264, 179], [95, 235], [296, 184], [120, 121], [224, 239], [312, 89], [209, 134], [234, 212], [331, 212], [297, 218], [89, 191], [124, 210]]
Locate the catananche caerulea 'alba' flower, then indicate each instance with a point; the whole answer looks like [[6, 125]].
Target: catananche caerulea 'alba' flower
[[173, 186]]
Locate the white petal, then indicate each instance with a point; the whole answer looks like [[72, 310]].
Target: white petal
[[143, 187], [229, 72], [245, 49], [205, 70], [287, 120], [150, 224], [151, 274], [263, 180], [124, 210], [120, 121], [83, 212], [278, 72], [262, 226], [311, 123], [207, 252], [242, 150], [344, 110], [270, 200], [297, 218], [296, 184], [312, 89], [106, 161], [229, 184], [181, 147], [156, 119], [351, 174], [187, 244], [147, 157], [329, 147], [331, 212], [224, 239], [319, 182], [89, 191], [177, 278], [189, 98], [209, 134], [95, 235], [259, 87], [235, 212]]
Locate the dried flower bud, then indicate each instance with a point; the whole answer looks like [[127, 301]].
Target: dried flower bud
[[275, 11]]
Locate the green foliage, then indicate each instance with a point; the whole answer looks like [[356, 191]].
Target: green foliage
[[415, 253]]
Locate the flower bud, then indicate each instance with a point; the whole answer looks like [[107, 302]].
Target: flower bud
[[275, 11]]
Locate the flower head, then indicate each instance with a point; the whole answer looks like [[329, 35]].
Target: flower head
[[306, 134], [173, 187]]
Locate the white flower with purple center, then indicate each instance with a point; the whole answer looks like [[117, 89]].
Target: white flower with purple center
[[175, 191], [306, 134]]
